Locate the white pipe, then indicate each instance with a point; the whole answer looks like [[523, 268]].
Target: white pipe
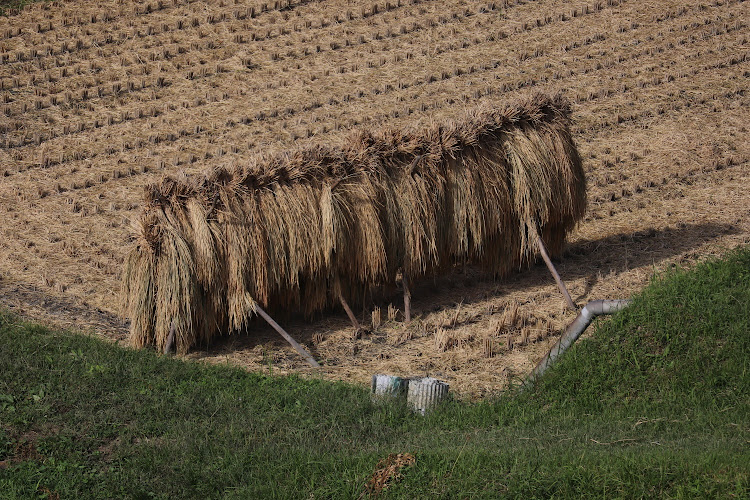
[[588, 313]]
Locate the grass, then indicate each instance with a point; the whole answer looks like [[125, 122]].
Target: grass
[[6, 5], [654, 404]]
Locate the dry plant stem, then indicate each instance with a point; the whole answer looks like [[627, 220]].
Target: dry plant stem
[[169, 346], [407, 298], [349, 313], [551, 267], [288, 338]]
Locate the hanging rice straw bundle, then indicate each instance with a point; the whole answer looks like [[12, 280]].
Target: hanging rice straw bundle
[[301, 229]]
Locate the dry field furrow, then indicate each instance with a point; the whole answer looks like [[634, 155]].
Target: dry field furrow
[[275, 114], [99, 99], [99, 91]]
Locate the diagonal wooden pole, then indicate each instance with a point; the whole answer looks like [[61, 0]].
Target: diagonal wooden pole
[[349, 312], [286, 336], [560, 284], [345, 305]]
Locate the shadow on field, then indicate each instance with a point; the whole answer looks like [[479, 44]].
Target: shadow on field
[[582, 259], [468, 285], [31, 302]]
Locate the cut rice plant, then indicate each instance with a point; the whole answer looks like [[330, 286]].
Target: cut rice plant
[[307, 228]]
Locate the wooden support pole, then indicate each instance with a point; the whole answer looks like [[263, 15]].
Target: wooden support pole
[[560, 284], [169, 346], [407, 297], [349, 312], [286, 336], [364, 305]]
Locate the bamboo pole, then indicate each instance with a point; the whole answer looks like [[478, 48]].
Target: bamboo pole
[[551, 267], [286, 336]]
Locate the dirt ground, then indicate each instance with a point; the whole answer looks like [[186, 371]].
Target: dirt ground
[[98, 99]]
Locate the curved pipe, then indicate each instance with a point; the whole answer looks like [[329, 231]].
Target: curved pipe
[[585, 317]]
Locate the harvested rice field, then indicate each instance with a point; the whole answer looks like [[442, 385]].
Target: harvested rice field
[[101, 99]]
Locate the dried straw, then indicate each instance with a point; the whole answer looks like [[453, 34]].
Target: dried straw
[[292, 231]]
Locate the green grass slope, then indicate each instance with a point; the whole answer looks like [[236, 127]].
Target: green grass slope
[[8, 5], [654, 404]]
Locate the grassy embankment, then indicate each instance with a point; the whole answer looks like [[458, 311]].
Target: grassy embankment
[[6, 5], [654, 404]]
